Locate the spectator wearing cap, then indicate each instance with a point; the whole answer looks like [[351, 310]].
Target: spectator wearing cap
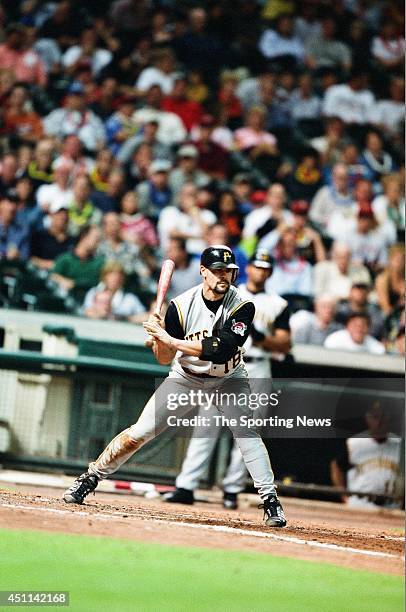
[[121, 125], [171, 130], [325, 50], [366, 242], [354, 337], [351, 101], [123, 305], [155, 193], [316, 329], [187, 170], [21, 124], [358, 302], [86, 53], [47, 244], [8, 172], [331, 198], [378, 161], [25, 63], [186, 221], [146, 135], [160, 73], [59, 190], [337, 275], [213, 158], [76, 118], [108, 200], [14, 237], [82, 212], [291, 273], [281, 44], [177, 102]]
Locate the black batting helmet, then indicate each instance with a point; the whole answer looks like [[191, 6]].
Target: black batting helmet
[[217, 257]]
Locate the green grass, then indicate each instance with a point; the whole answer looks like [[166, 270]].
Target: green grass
[[118, 575]]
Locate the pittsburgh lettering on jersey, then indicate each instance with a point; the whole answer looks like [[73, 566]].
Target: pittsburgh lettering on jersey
[[199, 335]]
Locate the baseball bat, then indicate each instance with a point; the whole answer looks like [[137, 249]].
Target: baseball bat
[[163, 284]]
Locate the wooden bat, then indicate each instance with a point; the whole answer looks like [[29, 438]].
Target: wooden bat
[[163, 284]]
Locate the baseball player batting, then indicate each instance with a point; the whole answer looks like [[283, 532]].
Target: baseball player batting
[[203, 334], [270, 332]]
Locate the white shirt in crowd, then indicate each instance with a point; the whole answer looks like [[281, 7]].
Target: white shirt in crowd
[[271, 44], [388, 113], [100, 58], [172, 218], [258, 217], [86, 126], [388, 50], [171, 130], [123, 305], [351, 106], [342, 341], [53, 194], [153, 76]]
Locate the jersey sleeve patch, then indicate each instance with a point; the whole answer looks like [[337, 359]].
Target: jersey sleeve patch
[[238, 327]]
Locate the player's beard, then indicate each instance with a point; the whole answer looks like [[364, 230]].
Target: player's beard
[[221, 290]]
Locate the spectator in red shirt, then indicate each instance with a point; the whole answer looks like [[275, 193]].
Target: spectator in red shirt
[[24, 62], [228, 100], [177, 102], [213, 159], [21, 123]]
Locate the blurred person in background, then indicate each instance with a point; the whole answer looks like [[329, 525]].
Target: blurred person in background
[[20, 58], [135, 227], [229, 214], [291, 274], [331, 198], [388, 114], [57, 191], [102, 167], [177, 102], [305, 179], [336, 276], [120, 126], [325, 50], [262, 220], [390, 283], [213, 158], [171, 130], [39, 169], [86, 53], [305, 104], [351, 101], [47, 244], [378, 161], [123, 305], [14, 237], [155, 193], [8, 172], [355, 337], [366, 242], [358, 302], [316, 329], [147, 134], [21, 124], [281, 44], [187, 269], [388, 47], [389, 208], [112, 247], [82, 212], [187, 170], [330, 144], [161, 72], [108, 199]]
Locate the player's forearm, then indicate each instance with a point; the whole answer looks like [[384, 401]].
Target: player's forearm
[[188, 347]]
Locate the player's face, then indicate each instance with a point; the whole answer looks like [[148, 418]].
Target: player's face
[[218, 281], [257, 276]]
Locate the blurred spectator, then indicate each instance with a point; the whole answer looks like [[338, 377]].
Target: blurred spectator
[[86, 53], [112, 247], [213, 158], [291, 274], [369, 462], [281, 44], [303, 101], [63, 25], [230, 215], [177, 102], [337, 276], [49, 243], [161, 28], [106, 98], [135, 227], [72, 152], [79, 269], [196, 90], [307, 26], [82, 212], [28, 214], [316, 330], [147, 135], [389, 208], [99, 174], [109, 300], [390, 284], [109, 199], [187, 269], [329, 145], [325, 50], [121, 126], [251, 90], [76, 118], [306, 179], [187, 170], [20, 58], [39, 169], [388, 47], [154, 194], [185, 221], [227, 97], [171, 130], [331, 198], [355, 337], [262, 220], [309, 243], [242, 189], [160, 73], [59, 191], [8, 173], [366, 242], [252, 138], [356, 167], [14, 237], [358, 302], [21, 123], [378, 161], [389, 114], [350, 101]]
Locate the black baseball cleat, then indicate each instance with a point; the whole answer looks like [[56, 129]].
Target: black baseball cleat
[[230, 501], [82, 486], [179, 496], [273, 512]]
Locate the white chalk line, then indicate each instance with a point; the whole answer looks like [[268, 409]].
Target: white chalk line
[[218, 528]]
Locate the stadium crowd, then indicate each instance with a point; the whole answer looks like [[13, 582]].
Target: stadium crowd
[[136, 130]]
